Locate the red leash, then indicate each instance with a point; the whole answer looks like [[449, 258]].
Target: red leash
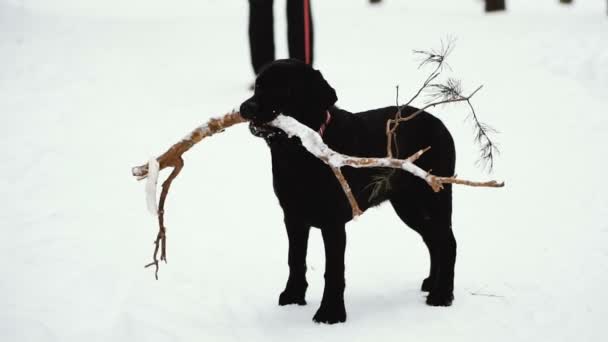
[[307, 32]]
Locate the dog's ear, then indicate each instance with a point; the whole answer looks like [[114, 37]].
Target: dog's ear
[[324, 92]]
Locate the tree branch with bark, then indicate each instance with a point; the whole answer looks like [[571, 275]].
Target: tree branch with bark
[[310, 140], [173, 158]]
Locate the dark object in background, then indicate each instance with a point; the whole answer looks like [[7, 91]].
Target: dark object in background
[[375, 1], [569, 2], [261, 32], [495, 5], [310, 195]]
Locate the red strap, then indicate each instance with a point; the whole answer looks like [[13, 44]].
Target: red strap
[[307, 56], [325, 124]]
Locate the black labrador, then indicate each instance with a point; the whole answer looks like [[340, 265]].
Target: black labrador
[[311, 196]]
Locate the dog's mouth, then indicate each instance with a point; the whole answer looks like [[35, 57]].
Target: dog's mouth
[[266, 131]]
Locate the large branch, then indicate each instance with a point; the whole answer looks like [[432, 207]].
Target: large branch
[[311, 140]]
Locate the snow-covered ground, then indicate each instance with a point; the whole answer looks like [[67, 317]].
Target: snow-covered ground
[[89, 89]]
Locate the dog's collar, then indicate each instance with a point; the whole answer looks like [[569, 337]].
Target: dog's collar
[[325, 124]]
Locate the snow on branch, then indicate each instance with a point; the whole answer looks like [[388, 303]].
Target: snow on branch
[[172, 155], [315, 145]]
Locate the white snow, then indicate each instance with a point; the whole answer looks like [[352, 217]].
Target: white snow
[[151, 181], [203, 130], [118, 80], [310, 139]]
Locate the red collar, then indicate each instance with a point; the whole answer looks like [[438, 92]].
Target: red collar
[[325, 124]]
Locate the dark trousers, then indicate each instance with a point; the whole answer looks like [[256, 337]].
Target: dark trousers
[[261, 32]]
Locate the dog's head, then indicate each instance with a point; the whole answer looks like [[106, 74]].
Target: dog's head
[[293, 88]]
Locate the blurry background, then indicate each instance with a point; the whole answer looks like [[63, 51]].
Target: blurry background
[[89, 89]]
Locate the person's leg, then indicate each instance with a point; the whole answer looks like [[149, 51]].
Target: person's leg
[[300, 30], [261, 33]]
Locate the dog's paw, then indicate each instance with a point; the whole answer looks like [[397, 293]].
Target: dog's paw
[[440, 298], [288, 297], [330, 314], [427, 285]]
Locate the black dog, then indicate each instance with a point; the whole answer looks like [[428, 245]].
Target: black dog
[[310, 195]]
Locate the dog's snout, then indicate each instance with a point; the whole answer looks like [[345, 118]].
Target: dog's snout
[[249, 109]]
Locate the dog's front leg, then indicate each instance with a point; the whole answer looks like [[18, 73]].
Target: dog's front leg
[[295, 290], [332, 305]]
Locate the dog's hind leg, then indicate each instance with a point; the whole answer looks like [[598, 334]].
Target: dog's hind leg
[[414, 217], [332, 308], [440, 239], [430, 214], [443, 244], [295, 289]]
